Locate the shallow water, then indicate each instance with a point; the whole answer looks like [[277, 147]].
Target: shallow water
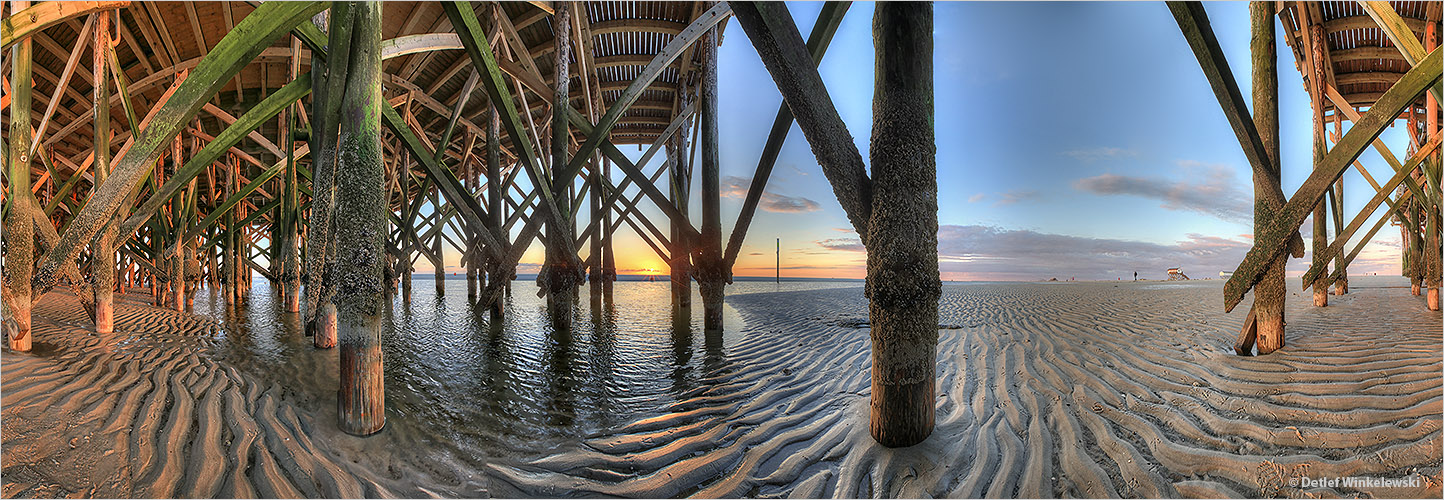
[[1044, 390], [518, 389]]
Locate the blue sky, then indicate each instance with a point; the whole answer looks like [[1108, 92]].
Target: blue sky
[[1075, 139]]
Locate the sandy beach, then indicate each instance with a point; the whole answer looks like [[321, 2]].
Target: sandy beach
[[1045, 390]]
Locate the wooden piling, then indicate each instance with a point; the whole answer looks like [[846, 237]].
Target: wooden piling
[[1270, 293], [497, 277], [1321, 212], [439, 264], [680, 258], [1434, 268], [321, 234], [560, 284], [19, 226], [902, 260], [102, 265], [360, 246], [712, 271]]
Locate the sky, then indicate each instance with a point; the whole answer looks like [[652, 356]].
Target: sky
[[1074, 140]]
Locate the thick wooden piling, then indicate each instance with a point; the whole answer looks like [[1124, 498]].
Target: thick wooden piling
[[102, 265], [1321, 149], [360, 245], [712, 271], [560, 284], [902, 259], [1270, 293], [19, 226], [321, 233]]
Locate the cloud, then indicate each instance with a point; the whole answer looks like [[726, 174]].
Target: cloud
[[1210, 190], [977, 252], [736, 187], [1096, 154], [1024, 254], [1016, 196], [986, 252], [755, 253], [977, 198], [844, 244]]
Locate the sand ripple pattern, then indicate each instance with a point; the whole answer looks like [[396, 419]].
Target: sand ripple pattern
[[137, 414], [1083, 390]]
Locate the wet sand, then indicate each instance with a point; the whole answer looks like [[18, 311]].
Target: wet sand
[[1045, 390]]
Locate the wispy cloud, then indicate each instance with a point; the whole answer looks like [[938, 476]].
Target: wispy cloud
[[977, 198], [1097, 154], [1209, 189], [844, 244], [736, 187], [994, 253], [1014, 254], [1012, 197]]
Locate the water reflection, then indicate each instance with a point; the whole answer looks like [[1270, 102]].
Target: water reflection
[[511, 388]]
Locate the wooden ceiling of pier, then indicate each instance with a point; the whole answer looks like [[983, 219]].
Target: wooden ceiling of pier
[[159, 39], [1362, 61]]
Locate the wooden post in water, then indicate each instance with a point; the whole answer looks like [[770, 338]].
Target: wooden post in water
[[903, 284], [712, 271], [102, 264], [19, 227], [609, 259], [497, 277], [594, 269], [361, 209], [1270, 293], [290, 278], [680, 259], [440, 261], [321, 235], [560, 284]]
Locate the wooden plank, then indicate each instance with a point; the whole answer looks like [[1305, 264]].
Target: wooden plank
[[1365, 130], [43, 15], [1399, 32]]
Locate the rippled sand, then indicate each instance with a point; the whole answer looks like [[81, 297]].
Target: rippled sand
[[1077, 389]]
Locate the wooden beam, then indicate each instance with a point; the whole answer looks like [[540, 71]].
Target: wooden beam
[[602, 129], [1380, 196], [233, 52], [1399, 32], [775, 36], [817, 42], [64, 83], [1193, 22], [1348, 23], [638, 25], [1268, 244], [239, 128], [43, 15]]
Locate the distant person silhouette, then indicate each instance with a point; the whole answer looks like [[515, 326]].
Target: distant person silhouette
[[1135, 275]]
